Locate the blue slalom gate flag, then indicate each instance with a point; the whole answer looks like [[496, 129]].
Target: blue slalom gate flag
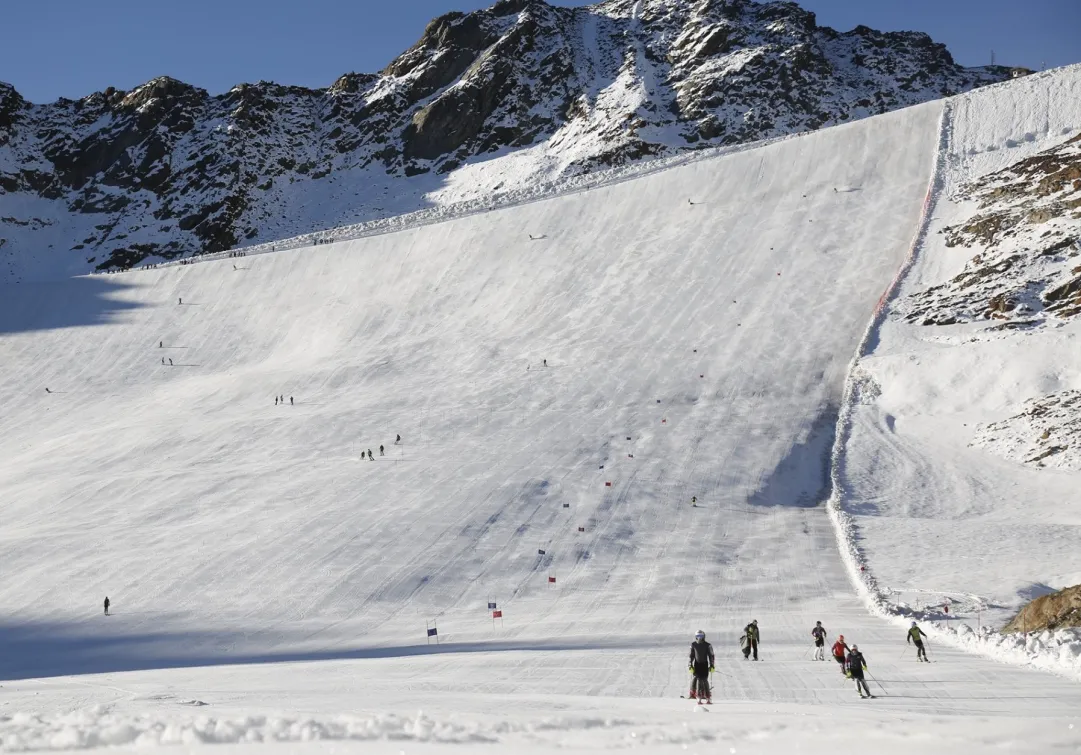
[[491, 606], [540, 551], [433, 632]]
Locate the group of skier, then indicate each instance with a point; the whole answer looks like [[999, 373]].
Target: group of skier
[[382, 450], [852, 662]]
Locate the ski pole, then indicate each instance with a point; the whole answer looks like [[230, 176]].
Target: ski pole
[[877, 682]]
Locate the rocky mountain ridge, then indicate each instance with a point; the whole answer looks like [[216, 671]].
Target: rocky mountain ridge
[[1025, 228], [168, 170]]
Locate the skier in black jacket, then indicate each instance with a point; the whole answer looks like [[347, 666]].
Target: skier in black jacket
[[856, 664], [819, 634], [701, 664]]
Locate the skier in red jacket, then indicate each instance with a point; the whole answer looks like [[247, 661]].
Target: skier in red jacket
[[840, 648]]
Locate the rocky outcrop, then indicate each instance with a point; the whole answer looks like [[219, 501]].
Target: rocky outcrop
[[1025, 231], [168, 170], [1045, 433], [1059, 610]]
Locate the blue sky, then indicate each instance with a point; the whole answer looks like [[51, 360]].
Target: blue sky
[[70, 48]]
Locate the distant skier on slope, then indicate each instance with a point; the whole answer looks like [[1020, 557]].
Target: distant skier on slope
[[752, 635], [106, 605], [170, 362], [916, 635], [370, 457], [856, 664], [381, 451], [839, 649], [398, 439], [701, 665], [291, 401], [47, 390], [819, 634], [275, 401]]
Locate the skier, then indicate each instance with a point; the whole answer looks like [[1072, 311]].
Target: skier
[[839, 650], [106, 605], [856, 665], [819, 634], [752, 635], [161, 344], [701, 666], [179, 300], [915, 635], [170, 362], [370, 457], [275, 401], [398, 440], [545, 362], [47, 390], [163, 360], [381, 451], [694, 501], [291, 401]]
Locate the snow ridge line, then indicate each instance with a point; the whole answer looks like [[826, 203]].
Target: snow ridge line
[[1056, 652], [544, 190]]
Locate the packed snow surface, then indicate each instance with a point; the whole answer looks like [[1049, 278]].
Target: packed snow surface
[[565, 375]]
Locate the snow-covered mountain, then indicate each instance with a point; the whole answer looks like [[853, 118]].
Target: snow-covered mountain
[[168, 170]]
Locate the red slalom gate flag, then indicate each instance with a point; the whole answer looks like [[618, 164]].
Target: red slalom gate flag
[[497, 614], [551, 579]]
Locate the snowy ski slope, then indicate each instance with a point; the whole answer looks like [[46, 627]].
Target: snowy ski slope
[[1010, 533], [267, 584]]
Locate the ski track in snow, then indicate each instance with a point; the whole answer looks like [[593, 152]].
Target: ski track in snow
[[268, 586]]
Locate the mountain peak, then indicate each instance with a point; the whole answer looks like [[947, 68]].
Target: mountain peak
[[173, 171]]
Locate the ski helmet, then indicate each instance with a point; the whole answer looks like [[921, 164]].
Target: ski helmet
[[700, 635], [755, 622], [818, 623], [841, 637], [856, 647], [913, 623]]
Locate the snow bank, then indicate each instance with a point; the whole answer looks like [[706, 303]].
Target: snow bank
[[97, 727]]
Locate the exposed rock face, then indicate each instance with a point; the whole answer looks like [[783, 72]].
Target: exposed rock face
[[1046, 433], [1056, 611], [1027, 230], [167, 170]]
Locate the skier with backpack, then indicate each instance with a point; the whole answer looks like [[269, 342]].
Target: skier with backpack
[[819, 634], [701, 666], [750, 638], [839, 650], [856, 665], [916, 635]]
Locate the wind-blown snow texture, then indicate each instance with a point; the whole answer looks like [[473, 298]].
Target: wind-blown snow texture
[[485, 103], [268, 585]]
